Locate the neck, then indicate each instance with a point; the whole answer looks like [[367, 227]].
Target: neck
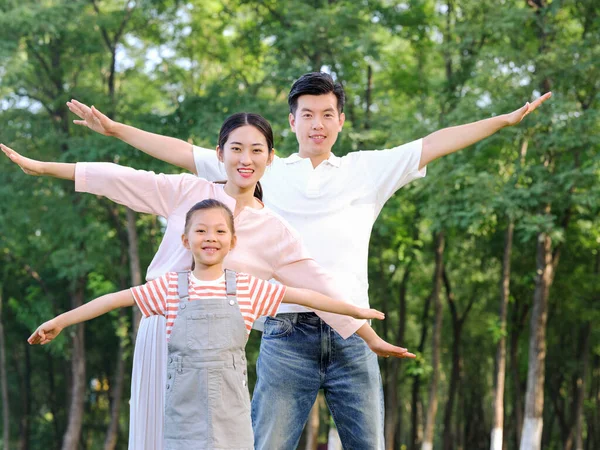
[[315, 159], [243, 197], [208, 273]]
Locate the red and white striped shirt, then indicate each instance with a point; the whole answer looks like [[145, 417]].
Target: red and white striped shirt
[[255, 297]]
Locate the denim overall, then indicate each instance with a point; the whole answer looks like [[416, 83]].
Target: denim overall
[[207, 404]]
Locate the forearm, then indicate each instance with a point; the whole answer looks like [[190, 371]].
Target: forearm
[[449, 140], [367, 333], [58, 170], [95, 308], [174, 151], [315, 300]]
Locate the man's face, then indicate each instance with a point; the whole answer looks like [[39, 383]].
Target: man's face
[[316, 123]]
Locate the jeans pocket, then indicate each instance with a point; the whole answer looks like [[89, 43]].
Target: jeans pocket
[[277, 327]]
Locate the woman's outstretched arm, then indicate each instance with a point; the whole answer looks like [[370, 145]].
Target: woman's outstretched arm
[[174, 151], [37, 168]]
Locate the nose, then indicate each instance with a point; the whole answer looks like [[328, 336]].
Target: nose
[[317, 124], [245, 158]]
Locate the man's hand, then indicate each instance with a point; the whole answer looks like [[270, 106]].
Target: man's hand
[[27, 165], [92, 118], [515, 117]]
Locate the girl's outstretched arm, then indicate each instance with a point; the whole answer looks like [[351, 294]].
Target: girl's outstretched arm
[[47, 331], [174, 151], [314, 300], [37, 168]]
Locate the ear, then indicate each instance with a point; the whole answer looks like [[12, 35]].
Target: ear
[[292, 121], [270, 158], [342, 120], [233, 242], [219, 153], [185, 241]]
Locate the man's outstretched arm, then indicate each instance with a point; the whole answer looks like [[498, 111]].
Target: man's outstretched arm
[[449, 140], [174, 151]]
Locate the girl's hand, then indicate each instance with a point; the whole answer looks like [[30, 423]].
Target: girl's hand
[[368, 313], [45, 333], [92, 118], [27, 165]]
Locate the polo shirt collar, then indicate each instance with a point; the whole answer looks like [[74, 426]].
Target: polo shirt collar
[[333, 160]]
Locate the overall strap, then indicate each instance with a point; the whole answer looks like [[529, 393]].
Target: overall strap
[[231, 285], [183, 286]]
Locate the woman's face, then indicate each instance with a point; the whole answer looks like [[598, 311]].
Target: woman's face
[[245, 156]]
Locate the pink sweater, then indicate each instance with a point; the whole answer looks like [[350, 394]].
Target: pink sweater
[[267, 247]]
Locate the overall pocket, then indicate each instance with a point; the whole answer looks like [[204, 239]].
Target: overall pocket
[[206, 331]]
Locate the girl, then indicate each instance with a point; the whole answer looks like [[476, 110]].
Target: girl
[[209, 316]]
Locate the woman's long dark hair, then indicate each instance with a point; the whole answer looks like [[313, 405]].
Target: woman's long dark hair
[[242, 119]]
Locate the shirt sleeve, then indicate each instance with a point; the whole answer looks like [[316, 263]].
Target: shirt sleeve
[[391, 169], [151, 297], [297, 269], [265, 297], [207, 165], [139, 190]]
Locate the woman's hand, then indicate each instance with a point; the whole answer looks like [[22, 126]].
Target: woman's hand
[[92, 118], [27, 165], [368, 313], [45, 333]]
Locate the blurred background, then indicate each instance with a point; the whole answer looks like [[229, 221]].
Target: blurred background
[[488, 269]]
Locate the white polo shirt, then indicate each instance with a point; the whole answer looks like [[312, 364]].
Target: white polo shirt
[[332, 206]]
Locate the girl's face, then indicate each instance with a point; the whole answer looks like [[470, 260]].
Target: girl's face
[[209, 237], [246, 156]]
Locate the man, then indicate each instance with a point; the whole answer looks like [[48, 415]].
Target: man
[[333, 202]]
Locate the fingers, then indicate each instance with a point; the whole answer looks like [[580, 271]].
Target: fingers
[[375, 314], [540, 100], [10, 153]]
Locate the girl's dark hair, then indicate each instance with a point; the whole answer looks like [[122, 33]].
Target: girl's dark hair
[[242, 119], [316, 83], [209, 203]]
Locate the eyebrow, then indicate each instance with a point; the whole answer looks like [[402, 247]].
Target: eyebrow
[[240, 143], [216, 225], [330, 109]]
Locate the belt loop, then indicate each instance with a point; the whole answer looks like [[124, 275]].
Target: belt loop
[[233, 360], [295, 317]]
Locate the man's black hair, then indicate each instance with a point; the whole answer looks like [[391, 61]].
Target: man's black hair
[[316, 83]]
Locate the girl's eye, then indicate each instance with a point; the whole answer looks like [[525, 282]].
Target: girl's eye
[[221, 232], [235, 149], [258, 150], [306, 116], [199, 231]]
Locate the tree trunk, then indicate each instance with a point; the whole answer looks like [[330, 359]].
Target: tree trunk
[[392, 410], [436, 342], [312, 425], [4, 382], [580, 383], [24, 426], [416, 387], [498, 420], [78, 378], [134, 264], [116, 393], [531, 435]]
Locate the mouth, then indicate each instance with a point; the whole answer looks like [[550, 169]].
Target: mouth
[[317, 138], [210, 250], [246, 173]]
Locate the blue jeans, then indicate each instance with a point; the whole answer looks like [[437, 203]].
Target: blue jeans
[[300, 354]]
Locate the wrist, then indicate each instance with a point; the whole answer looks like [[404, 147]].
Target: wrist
[[117, 130]]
